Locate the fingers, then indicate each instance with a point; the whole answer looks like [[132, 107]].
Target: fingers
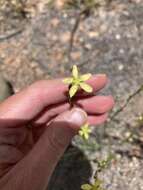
[[49, 113], [92, 105], [97, 119], [26, 104], [96, 104], [37, 167], [29, 102]]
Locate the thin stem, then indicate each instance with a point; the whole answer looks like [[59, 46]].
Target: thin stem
[[127, 102]]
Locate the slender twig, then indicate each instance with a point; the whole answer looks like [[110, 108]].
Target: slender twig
[[81, 16], [84, 13], [127, 102], [13, 34]]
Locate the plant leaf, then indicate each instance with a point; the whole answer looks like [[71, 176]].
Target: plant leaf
[[86, 187], [85, 77], [75, 71], [86, 87], [68, 80], [73, 90]]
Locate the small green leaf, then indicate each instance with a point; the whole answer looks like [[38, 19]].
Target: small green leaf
[[86, 87], [85, 77], [75, 71], [73, 90], [68, 80], [86, 187]]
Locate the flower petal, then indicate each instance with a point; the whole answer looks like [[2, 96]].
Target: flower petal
[[68, 80], [97, 184], [86, 187], [73, 90], [89, 130], [85, 77], [80, 132], [86, 136], [86, 87], [75, 71]]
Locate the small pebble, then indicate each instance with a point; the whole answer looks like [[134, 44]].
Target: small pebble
[[118, 36], [120, 67]]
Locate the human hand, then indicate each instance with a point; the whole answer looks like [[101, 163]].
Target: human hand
[[36, 126]]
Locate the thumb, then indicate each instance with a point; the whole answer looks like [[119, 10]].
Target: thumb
[[65, 126], [36, 168], [58, 136]]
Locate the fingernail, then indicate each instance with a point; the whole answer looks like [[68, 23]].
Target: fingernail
[[77, 116]]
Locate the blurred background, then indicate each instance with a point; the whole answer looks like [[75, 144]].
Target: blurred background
[[42, 39]]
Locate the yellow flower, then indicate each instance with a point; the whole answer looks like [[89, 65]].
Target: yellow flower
[[85, 131], [96, 186], [77, 81], [86, 187]]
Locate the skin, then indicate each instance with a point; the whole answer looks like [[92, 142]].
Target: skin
[[36, 126]]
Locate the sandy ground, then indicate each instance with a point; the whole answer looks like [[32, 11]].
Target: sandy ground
[[109, 40]]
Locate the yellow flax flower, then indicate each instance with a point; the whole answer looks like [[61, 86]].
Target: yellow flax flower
[[96, 186], [86, 187], [85, 131], [77, 81]]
